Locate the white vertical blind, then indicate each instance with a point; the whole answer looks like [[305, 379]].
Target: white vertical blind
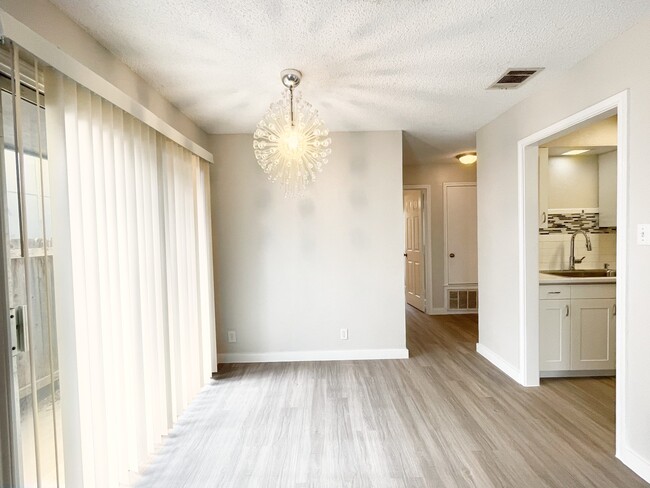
[[131, 212]]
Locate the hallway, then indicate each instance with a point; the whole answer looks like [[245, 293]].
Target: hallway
[[443, 418]]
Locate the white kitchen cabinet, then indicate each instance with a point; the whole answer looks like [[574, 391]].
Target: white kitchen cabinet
[[607, 189], [543, 188], [554, 335], [577, 329], [593, 334]]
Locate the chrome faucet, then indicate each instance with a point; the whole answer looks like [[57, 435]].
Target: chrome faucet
[[572, 253]]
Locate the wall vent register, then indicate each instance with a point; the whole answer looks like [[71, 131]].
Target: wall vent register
[[462, 300]]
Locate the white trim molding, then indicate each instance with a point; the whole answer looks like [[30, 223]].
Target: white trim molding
[[635, 462], [438, 311], [74, 69], [301, 356], [428, 250], [499, 362], [552, 211]]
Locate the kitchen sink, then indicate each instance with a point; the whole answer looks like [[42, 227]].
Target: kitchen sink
[[582, 273]]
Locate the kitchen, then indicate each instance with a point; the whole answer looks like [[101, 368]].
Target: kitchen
[[577, 252]]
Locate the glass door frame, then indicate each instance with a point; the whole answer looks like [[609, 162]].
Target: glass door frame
[[11, 450]]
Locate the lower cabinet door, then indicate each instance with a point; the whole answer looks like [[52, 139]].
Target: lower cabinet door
[[554, 335], [593, 333]]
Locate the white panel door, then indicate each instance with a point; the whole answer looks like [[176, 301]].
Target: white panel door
[[462, 253], [554, 335], [593, 333], [414, 248]]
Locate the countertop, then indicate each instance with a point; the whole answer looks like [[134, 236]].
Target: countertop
[[548, 279]]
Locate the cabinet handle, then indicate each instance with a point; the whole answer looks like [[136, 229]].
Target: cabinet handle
[[543, 217], [452, 255], [566, 310], [554, 292], [614, 310]]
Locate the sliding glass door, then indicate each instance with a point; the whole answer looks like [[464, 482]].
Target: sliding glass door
[[33, 383]]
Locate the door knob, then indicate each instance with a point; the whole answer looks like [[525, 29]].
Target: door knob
[[404, 254], [452, 255]]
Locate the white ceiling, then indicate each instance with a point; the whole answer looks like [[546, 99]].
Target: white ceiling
[[421, 66]]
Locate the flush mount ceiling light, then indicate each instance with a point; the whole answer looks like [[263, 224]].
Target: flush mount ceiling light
[[467, 158], [291, 143], [575, 152]]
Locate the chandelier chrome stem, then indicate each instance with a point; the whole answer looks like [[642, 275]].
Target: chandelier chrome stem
[[291, 104]]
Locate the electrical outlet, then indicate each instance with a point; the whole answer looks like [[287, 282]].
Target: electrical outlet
[[344, 334], [643, 234], [232, 336]]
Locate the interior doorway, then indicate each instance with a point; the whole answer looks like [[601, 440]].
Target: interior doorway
[[460, 247], [529, 223], [577, 252]]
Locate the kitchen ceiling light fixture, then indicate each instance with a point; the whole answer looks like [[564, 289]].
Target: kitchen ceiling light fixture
[[467, 158], [291, 143], [575, 152]]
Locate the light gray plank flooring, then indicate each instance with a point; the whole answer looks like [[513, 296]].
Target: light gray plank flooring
[[444, 418]]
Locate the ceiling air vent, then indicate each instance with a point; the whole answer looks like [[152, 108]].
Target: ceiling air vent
[[514, 78]]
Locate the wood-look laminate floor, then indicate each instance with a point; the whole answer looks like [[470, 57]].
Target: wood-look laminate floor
[[444, 418]]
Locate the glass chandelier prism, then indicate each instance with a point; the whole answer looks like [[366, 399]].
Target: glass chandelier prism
[[291, 143]]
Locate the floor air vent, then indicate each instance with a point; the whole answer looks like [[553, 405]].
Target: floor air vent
[[463, 299], [514, 78]]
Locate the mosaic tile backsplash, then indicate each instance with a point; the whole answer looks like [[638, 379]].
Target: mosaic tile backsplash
[[554, 241], [566, 223]]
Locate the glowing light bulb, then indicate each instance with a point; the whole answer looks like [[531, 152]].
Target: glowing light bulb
[[293, 141]]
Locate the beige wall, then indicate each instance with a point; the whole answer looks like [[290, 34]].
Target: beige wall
[[435, 175], [621, 64], [293, 272], [600, 133]]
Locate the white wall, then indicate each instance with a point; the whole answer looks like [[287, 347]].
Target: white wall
[[41, 25], [292, 272], [435, 175], [619, 65]]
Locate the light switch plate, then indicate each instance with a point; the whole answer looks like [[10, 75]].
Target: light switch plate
[[643, 234]]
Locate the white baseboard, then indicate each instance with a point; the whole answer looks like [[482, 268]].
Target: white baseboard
[[444, 311], [499, 362], [295, 356], [635, 462], [437, 311]]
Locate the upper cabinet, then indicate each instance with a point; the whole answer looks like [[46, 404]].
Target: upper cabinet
[[607, 189], [577, 175], [543, 187], [575, 184]]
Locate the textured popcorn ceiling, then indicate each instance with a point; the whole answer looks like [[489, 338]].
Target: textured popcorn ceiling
[[421, 66]]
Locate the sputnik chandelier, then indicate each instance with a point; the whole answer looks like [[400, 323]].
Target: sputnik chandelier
[[291, 143]]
